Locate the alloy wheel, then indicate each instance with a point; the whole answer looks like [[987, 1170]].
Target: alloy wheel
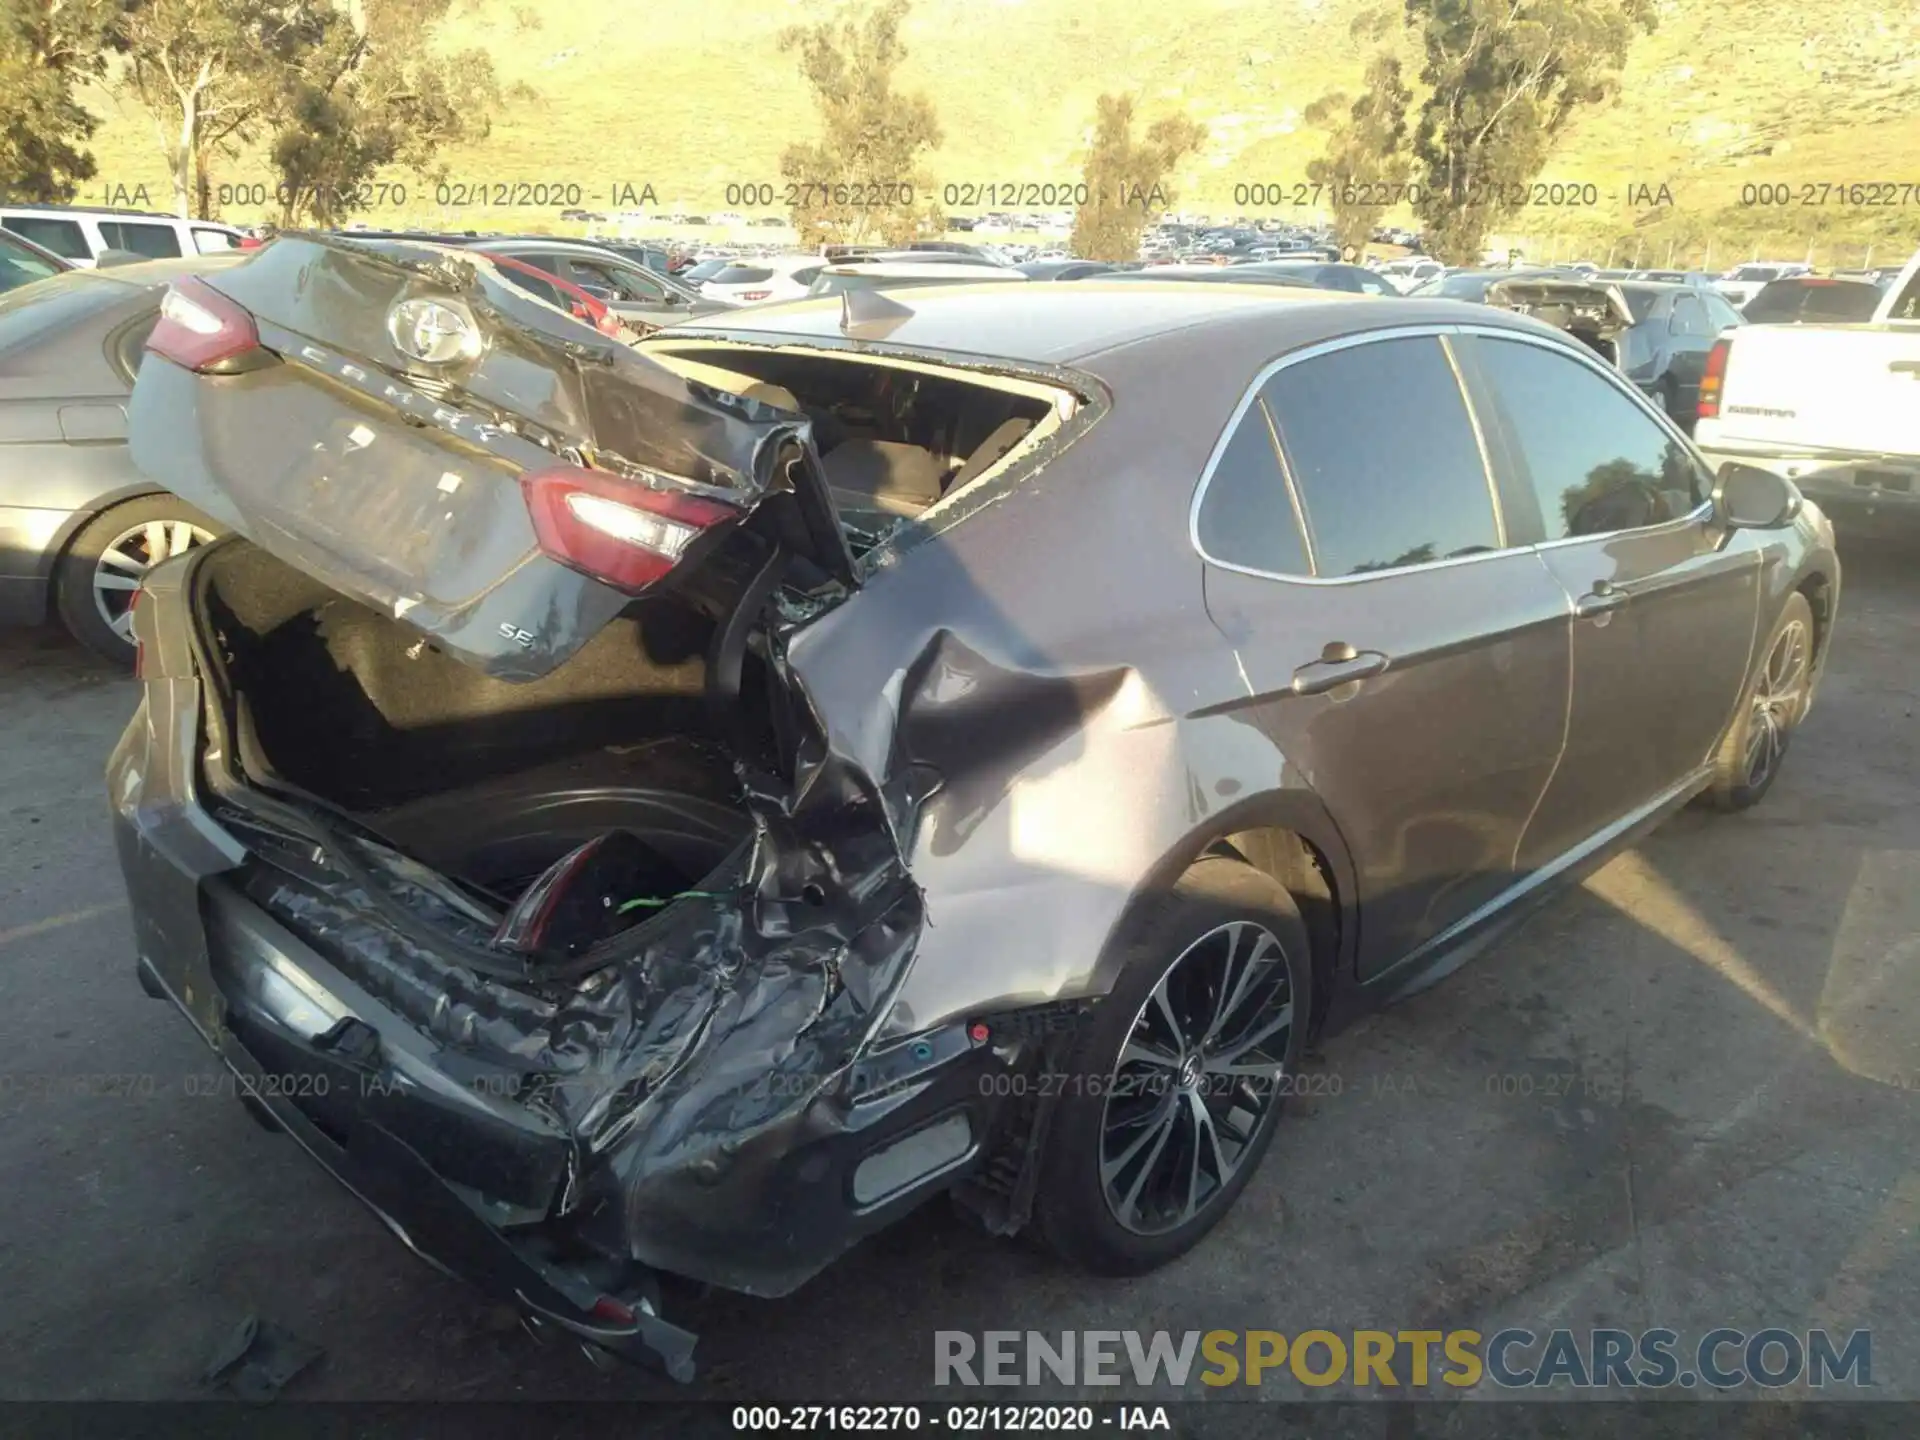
[[118, 572], [1777, 699], [1197, 1078]]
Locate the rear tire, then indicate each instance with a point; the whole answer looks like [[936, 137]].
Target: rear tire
[[95, 581], [1755, 747], [1172, 1098]]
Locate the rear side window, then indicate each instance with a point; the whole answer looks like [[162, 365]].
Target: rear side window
[[1383, 456], [212, 242], [534, 285], [1690, 317], [156, 242], [1723, 315], [1246, 516], [20, 266], [1596, 462], [1907, 307], [63, 237], [625, 284]]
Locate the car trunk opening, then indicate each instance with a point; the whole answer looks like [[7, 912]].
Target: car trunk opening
[[484, 780], [895, 435], [1594, 312]]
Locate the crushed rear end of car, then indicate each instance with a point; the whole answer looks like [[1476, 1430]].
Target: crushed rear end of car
[[473, 816]]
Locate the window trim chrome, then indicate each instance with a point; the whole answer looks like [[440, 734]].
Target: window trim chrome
[[1442, 332]]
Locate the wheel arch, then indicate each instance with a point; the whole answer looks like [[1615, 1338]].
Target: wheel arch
[[71, 527], [1817, 586], [1286, 834]]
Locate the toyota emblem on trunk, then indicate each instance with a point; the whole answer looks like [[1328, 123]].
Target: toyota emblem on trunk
[[433, 332]]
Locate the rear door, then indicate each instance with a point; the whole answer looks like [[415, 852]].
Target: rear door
[[1409, 660], [1664, 606]]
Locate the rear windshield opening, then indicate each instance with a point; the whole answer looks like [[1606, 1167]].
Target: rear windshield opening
[[893, 441]]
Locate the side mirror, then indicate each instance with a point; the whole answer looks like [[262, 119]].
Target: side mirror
[[1746, 497]]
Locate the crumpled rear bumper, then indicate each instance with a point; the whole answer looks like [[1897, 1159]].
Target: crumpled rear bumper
[[748, 1165]]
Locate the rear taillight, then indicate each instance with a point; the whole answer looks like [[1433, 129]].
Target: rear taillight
[[1714, 380], [755, 294], [614, 529], [202, 329]]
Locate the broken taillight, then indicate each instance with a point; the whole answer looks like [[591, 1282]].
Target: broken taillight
[[614, 529], [202, 329], [1714, 380]]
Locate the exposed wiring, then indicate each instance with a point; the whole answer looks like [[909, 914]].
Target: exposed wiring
[[650, 902]]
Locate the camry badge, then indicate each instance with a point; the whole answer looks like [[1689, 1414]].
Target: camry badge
[[433, 332]]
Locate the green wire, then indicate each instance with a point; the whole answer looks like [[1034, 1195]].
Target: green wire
[[649, 902]]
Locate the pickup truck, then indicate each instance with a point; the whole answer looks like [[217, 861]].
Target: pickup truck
[[1833, 408], [1743, 282]]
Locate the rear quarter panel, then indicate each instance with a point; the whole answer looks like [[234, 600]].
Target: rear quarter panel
[[1041, 673]]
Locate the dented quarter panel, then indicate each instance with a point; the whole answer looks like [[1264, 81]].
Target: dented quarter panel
[[1048, 683]]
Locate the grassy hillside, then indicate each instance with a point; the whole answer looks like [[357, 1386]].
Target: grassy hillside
[[1722, 95]]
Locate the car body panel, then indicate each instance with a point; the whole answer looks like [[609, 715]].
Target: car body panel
[[403, 489], [1006, 755]]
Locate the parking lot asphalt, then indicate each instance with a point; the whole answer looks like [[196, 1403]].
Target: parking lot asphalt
[[1686, 1095]]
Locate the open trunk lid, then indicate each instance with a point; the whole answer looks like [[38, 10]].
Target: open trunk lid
[[1584, 307], [405, 426]]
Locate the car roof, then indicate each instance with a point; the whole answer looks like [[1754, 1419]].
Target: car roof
[[779, 262], [1070, 324], [920, 270]]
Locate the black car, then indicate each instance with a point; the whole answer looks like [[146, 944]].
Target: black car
[[1814, 300]]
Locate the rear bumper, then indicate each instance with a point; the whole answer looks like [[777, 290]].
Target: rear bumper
[[752, 1179]]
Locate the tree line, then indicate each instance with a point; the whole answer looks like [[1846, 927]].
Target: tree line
[[334, 90], [1460, 105]]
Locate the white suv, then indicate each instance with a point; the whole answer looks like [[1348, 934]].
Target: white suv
[[81, 235]]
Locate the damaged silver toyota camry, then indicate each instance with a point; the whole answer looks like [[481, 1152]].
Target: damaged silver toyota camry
[[670, 810]]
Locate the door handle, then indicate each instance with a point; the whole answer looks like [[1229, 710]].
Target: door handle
[[1339, 664], [1604, 597], [1905, 367]]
